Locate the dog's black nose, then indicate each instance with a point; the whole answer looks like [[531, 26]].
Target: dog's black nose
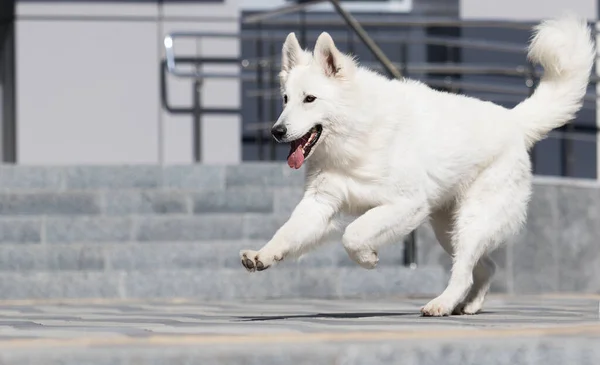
[[279, 131]]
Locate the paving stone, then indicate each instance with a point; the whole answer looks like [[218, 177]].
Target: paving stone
[[288, 282], [80, 257], [112, 177], [262, 226], [17, 177], [49, 203], [20, 230], [87, 229], [263, 174], [176, 255], [384, 281], [182, 228], [21, 257], [46, 285], [286, 199], [233, 200], [146, 202], [193, 177]]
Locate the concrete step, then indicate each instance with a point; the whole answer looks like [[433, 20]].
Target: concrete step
[[156, 201], [61, 178], [224, 283], [110, 256], [139, 228]]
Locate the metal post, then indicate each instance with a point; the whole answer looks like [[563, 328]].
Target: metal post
[[259, 85], [197, 121], [410, 250], [364, 36]]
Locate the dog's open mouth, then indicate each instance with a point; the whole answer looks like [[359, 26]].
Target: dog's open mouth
[[301, 147]]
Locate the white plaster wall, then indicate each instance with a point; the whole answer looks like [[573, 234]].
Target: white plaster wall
[[87, 91], [88, 88]]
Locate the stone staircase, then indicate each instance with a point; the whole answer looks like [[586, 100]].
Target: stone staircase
[[152, 232]]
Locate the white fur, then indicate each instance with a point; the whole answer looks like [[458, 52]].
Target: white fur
[[395, 153]]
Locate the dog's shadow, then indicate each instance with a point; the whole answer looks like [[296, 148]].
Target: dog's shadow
[[338, 315]]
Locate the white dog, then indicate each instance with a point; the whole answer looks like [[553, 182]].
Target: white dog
[[395, 153]]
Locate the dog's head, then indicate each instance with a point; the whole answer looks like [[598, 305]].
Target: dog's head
[[311, 87]]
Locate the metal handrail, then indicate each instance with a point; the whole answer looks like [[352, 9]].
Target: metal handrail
[[169, 43], [196, 110]]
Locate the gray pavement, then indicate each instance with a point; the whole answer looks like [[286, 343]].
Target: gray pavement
[[548, 329]]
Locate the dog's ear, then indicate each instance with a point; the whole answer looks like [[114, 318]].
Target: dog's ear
[[291, 55], [333, 62]]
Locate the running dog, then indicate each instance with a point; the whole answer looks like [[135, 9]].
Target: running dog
[[396, 153]]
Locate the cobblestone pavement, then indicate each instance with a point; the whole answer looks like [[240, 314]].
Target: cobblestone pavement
[[43, 331]]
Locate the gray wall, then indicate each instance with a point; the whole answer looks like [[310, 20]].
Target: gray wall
[[88, 83], [557, 251]]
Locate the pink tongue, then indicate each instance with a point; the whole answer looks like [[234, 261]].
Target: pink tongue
[[296, 157]]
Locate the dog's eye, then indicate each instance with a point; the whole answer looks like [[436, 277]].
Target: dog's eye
[[309, 99], [285, 99]]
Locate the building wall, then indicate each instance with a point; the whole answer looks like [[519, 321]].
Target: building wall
[[88, 82]]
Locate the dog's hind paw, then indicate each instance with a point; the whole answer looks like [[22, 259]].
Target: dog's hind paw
[[437, 308], [472, 307], [366, 258]]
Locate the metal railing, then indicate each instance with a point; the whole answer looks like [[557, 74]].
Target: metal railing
[[172, 64]]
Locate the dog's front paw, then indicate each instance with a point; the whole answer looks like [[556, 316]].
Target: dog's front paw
[[256, 261]]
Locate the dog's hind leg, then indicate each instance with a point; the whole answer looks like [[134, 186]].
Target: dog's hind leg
[[483, 273], [380, 226], [482, 279], [490, 211]]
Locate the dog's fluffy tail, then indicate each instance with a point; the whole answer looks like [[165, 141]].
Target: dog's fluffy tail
[[563, 46]]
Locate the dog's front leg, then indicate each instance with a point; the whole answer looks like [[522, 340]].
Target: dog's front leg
[[380, 226], [308, 224]]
